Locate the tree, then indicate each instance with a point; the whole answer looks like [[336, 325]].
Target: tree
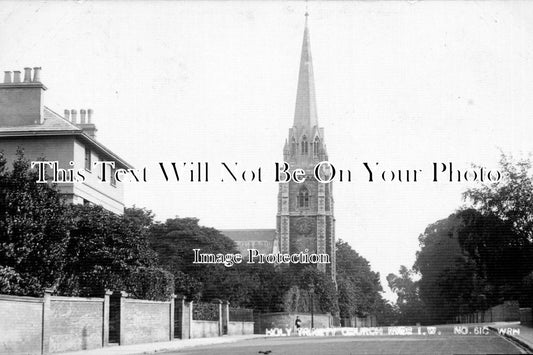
[[358, 286], [441, 256], [511, 201], [108, 251], [410, 307], [174, 242], [511, 198], [469, 262], [500, 257], [33, 230]]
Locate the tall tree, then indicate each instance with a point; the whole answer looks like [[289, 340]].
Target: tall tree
[[411, 309], [174, 242], [358, 286], [33, 230], [511, 200], [106, 250], [439, 257]]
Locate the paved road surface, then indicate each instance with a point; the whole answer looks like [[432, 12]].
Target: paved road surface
[[445, 343]]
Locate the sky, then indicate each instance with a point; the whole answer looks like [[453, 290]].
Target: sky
[[402, 84]]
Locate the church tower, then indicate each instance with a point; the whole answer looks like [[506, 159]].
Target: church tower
[[305, 217]]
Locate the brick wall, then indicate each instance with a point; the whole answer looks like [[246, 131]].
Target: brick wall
[[20, 325], [145, 321], [75, 323], [204, 329], [240, 328], [51, 324]]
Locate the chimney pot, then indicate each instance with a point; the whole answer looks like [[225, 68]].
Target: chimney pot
[[73, 114], [82, 116], [90, 115], [67, 114], [37, 74], [27, 75], [16, 76], [7, 77]]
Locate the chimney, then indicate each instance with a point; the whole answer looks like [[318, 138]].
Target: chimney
[[86, 124], [27, 75], [36, 74], [74, 114], [16, 77], [7, 77], [22, 103], [67, 114]]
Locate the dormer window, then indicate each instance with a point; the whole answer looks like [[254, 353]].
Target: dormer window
[[303, 197], [304, 146]]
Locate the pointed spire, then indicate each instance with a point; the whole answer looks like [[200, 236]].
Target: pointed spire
[[305, 113]]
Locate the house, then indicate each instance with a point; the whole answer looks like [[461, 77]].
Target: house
[[25, 122]]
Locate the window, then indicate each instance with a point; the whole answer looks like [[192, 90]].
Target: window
[[88, 162], [303, 197], [112, 179], [316, 144], [304, 146], [294, 146]]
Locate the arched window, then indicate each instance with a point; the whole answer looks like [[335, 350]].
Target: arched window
[[294, 146], [316, 144], [303, 197], [304, 146]]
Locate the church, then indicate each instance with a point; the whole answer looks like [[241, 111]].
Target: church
[[305, 218]]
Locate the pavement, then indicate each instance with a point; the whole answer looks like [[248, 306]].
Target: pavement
[[523, 337], [165, 346]]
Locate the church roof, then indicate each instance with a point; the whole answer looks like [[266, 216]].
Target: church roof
[[250, 234], [305, 114]]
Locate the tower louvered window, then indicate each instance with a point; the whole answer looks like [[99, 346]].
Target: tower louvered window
[[304, 146]]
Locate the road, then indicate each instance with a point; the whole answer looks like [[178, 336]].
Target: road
[[444, 342]]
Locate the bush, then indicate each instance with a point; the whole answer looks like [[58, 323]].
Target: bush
[[205, 311], [150, 283]]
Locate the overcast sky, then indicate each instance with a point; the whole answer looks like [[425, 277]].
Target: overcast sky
[[403, 84]]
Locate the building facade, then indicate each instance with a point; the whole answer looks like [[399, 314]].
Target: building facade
[[42, 134], [305, 220]]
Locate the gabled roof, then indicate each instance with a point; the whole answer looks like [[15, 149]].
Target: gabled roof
[[250, 234], [56, 125]]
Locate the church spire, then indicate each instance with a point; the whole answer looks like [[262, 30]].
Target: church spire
[[305, 113]]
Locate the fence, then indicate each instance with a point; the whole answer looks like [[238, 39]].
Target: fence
[[368, 321], [55, 324], [509, 311]]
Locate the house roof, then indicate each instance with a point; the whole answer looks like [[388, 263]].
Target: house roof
[[56, 125], [250, 234]]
